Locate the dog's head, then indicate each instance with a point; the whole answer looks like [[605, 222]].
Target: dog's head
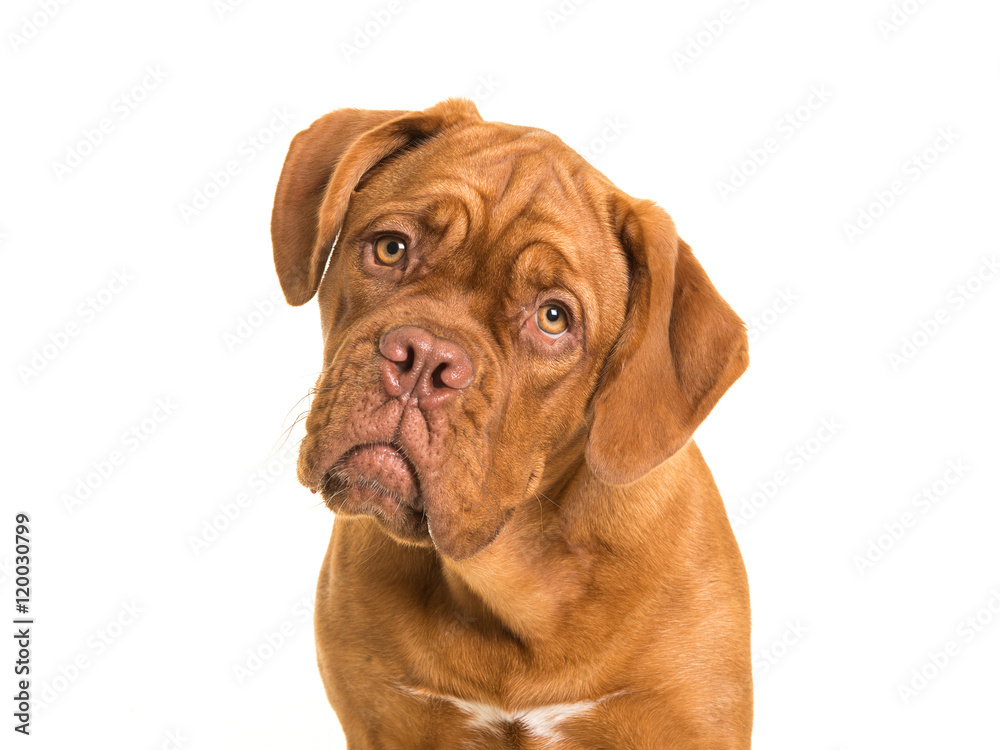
[[494, 313]]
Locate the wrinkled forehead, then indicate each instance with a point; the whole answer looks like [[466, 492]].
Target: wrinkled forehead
[[504, 186], [502, 169]]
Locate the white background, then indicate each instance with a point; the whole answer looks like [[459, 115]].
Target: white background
[[195, 327]]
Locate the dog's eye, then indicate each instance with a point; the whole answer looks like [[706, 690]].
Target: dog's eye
[[390, 249], [552, 320]]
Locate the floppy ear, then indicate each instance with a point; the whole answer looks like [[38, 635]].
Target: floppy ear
[[680, 348], [324, 164]]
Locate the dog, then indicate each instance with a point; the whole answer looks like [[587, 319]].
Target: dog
[[528, 550]]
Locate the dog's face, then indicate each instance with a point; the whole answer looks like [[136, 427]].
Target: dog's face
[[494, 311], [470, 300]]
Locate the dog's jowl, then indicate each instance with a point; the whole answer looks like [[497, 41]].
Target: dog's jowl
[[529, 550]]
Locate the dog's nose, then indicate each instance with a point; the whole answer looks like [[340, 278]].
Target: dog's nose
[[418, 363]]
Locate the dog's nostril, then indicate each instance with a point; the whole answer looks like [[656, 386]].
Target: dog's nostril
[[407, 364], [436, 377]]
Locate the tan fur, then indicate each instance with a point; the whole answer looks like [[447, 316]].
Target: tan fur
[[565, 576]]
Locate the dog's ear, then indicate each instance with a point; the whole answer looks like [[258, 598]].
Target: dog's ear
[[680, 348], [324, 164]]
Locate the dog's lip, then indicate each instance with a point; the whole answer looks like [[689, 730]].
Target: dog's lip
[[393, 447], [383, 463]]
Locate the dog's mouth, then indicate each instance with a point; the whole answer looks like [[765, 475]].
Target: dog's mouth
[[376, 479]]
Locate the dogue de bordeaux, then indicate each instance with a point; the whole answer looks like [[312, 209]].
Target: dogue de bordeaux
[[529, 551]]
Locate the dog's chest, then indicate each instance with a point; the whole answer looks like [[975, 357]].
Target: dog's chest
[[539, 727]]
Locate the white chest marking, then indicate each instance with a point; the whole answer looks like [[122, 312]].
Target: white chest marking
[[542, 722]]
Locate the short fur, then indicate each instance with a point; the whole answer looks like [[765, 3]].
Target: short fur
[[558, 570]]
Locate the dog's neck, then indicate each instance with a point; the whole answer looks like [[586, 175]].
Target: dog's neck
[[555, 558]]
